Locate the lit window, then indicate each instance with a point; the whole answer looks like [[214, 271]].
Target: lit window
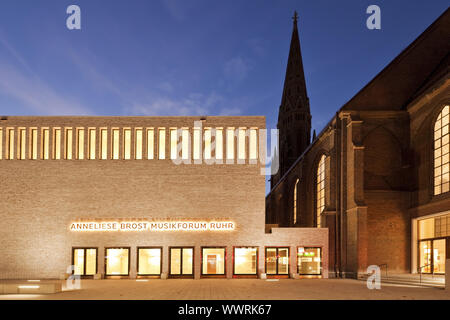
[[213, 261], [149, 261], [309, 261], [277, 261], [295, 201], [92, 143], [117, 261], [230, 143], [127, 144], [85, 261], [34, 144], [245, 261], [173, 144], [69, 143], [1, 143], [219, 143], [253, 144], [150, 143], [241, 137], [185, 144], [181, 261], [10, 149], [80, 144], [45, 144], [196, 143], [441, 152], [104, 142], [208, 143], [320, 190], [138, 149], [115, 144], [162, 144], [22, 143], [57, 143]]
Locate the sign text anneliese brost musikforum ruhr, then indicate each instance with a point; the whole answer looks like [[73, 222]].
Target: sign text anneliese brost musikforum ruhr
[[153, 226]]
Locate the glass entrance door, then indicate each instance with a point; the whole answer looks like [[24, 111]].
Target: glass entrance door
[[277, 261], [439, 256], [84, 261], [181, 262], [432, 256]]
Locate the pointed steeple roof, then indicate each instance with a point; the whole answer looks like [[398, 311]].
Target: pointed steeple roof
[[294, 91]]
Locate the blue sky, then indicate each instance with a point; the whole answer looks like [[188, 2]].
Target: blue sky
[[196, 57]]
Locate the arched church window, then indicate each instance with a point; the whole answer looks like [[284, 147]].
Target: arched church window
[[441, 152], [295, 201], [320, 190]]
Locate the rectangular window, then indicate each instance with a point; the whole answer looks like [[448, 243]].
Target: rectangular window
[[277, 261], [56, 143], [230, 143], [245, 260], [185, 144], [45, 144], [104, 144], [117, 261], [207, 143], [241, 137], [115, 144], [149, 261], [138, 143], [253, 144], [213, 261], [10, 144], [92, 143], [84, 261], [69, 143], [162, 143], [196, 143], [34, 144], [127, 144], [22, 144], [150, 143], [173, 144], [309, 261], [181, 261], [80, 144], [219, 143]]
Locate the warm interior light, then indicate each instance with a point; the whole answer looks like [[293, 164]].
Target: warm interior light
[[28, 287]]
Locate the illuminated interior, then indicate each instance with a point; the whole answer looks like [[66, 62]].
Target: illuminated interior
[[277, 261], [173, 144], [213, 261], [230, 143], [162, 143], [57, 144], [245, 261], [295, 201], [441, 152], [117, 261], [68, 149], [80, 144], [432, 234], [253, 144], [85, 261], [45, 144], [320, 190], [92, 142], [127, 144], [309, 261], [196, 143], [138, 147], [115, 144], [22, 143], [150, 143], [219, 143], [181, 261], [10, 150], [104, 144], [149, 261], [241, 145], [207, 143], [185, 144]]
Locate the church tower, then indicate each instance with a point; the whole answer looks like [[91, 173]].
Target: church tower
[[294, 117]]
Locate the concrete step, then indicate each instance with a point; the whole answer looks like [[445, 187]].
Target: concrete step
[[410, 279]]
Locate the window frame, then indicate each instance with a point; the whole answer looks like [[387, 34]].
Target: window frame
[[245, 275], [117, 276], [84, 275], [432, 152], [217, 275], [181, 275], [321, 260], [158, 275], [277, 275]]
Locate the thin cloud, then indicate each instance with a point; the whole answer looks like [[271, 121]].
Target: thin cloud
[[236, 69]]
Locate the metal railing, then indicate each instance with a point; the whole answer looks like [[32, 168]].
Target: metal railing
[[420, 272], [384, 265]]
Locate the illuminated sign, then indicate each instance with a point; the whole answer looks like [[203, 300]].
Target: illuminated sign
[[153, 226]]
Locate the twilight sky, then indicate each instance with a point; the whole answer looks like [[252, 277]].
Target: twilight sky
[[196, 57]]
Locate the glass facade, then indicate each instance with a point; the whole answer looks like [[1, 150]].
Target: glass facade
[[309, 261], [432, 236], [117, 261], [245, 260], [85, 261], [149, 261], [277, 261], [442, 152], [181, 261], [213, 261]]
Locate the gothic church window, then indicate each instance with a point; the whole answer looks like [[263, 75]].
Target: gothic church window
[[320, 190], [441, 152], [295, 201]]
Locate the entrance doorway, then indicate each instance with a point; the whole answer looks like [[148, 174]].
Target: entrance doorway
[[277, 261], [432, 256]]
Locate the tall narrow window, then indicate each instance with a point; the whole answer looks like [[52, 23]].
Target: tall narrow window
[[241, 136], [150, 143], [253, 144], [22, 143], [92, 143], [295, 201], [1, 143], [138, 145], [185, 144], [69, 143], [45, 144], [115, 144], [127, 144], [104, 142], [230, 143], [441, 152], [320, 190], [207, 143], [173, 144], [34, 144], [80, 144], [219, 143], [196, 143], [57, 144], [162, 144], [10, 149]]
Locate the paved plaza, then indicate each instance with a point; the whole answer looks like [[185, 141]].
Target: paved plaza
[[239, 289]]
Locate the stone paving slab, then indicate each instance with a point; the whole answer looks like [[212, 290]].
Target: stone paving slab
[[236, 289]]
